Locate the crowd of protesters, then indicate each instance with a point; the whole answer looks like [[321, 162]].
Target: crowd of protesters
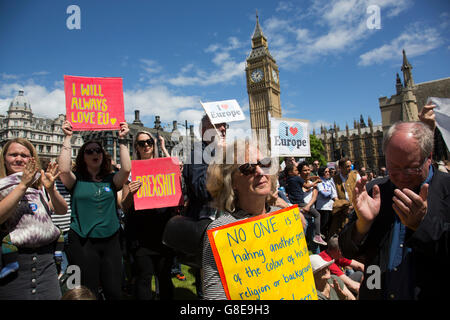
[[396, 217]]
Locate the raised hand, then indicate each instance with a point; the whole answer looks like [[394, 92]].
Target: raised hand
[[29, 172], [48, 177], [410, 207], [340, 292], [67, 128], [123, 131], [427, 115], [366, 207]]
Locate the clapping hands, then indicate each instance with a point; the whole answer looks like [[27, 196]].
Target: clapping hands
[[50, 175]]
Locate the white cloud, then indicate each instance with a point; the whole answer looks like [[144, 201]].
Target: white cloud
[[284, 6], [226, 67], [227, 71], [318, 124], [6, 76], [325, 28], [416, 42], [159, 100], [212, 48], [151, 66], [40, 73], [44, 102]]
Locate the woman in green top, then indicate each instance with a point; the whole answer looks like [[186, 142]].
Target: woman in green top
[[93, 242]]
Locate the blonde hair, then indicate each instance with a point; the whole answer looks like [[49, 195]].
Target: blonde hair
[[219, 177], [27, 144], [136, 154]]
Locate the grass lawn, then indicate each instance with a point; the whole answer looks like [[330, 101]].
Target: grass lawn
[[185, 290]]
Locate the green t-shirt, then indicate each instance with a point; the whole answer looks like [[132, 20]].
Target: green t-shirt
[[333, 293], [94, 210]]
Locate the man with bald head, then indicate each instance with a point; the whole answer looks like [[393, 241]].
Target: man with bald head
[[402, 221]]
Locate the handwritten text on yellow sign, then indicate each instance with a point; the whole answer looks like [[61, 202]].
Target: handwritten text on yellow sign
[[266, 258]]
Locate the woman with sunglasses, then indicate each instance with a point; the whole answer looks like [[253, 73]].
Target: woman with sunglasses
[[28, 269], [239, 191], [93, 242], [144, 229]]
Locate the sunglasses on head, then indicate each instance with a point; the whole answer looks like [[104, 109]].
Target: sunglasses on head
[[250, 168], [142, 143], [90, 151]]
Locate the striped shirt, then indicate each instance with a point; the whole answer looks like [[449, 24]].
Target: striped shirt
[[212, 285], [62, 221]]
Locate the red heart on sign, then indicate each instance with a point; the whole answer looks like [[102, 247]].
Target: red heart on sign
[[293, 130], [225, 106]]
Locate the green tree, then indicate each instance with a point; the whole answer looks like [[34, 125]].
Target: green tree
[[317, 150]]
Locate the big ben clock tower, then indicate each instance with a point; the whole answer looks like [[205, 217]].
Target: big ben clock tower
[[263, 85]]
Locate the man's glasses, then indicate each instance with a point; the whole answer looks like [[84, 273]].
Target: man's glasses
[[250, 168], [408, 171], [142, 143], [97, 150]]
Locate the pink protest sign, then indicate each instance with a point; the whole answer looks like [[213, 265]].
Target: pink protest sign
[[94, 104], [161, 184]]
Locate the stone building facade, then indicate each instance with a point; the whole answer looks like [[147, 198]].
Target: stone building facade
[[408, 101], [45, 134], [110, 143], [362, 144]]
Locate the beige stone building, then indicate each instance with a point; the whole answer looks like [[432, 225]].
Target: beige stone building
[[109, 138], [408, 101], [45, 134], [362, 144]]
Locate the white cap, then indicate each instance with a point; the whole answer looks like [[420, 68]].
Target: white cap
[[317, 262]]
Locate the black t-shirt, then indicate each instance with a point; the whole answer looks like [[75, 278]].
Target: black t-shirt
[[294, 189]]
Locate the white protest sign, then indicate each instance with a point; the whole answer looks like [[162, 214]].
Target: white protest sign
[[442, 116], [223, 111], [289, 137]]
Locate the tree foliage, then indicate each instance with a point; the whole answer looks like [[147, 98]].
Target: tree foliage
[[317, 150]]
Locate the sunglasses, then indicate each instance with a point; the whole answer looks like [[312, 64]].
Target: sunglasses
[[142, 143], [97, 150], [250, 168]]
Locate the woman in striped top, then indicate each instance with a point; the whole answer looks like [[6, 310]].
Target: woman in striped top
[[25, 217], [240, 191]]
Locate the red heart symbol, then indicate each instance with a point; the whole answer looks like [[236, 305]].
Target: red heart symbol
[[293, 130], [225, 106]]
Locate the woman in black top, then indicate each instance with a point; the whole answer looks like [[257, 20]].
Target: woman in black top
[[144, 229]]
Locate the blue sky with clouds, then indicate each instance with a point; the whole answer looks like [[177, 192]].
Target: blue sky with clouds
[[172, 54]]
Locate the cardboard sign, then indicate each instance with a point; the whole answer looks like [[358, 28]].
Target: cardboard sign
[[264, 258], [289, 137], [94, 104], [161, 185], [223, 111]]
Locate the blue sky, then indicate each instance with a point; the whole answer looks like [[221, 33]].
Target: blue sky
[[172, 54]]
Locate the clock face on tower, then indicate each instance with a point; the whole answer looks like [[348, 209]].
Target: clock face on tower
[[274, 76], [257, 75]]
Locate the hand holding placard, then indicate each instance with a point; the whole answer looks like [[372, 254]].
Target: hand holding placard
[[123, 131]]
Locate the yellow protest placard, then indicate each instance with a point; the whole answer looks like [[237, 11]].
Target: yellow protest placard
[[264, 258]]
